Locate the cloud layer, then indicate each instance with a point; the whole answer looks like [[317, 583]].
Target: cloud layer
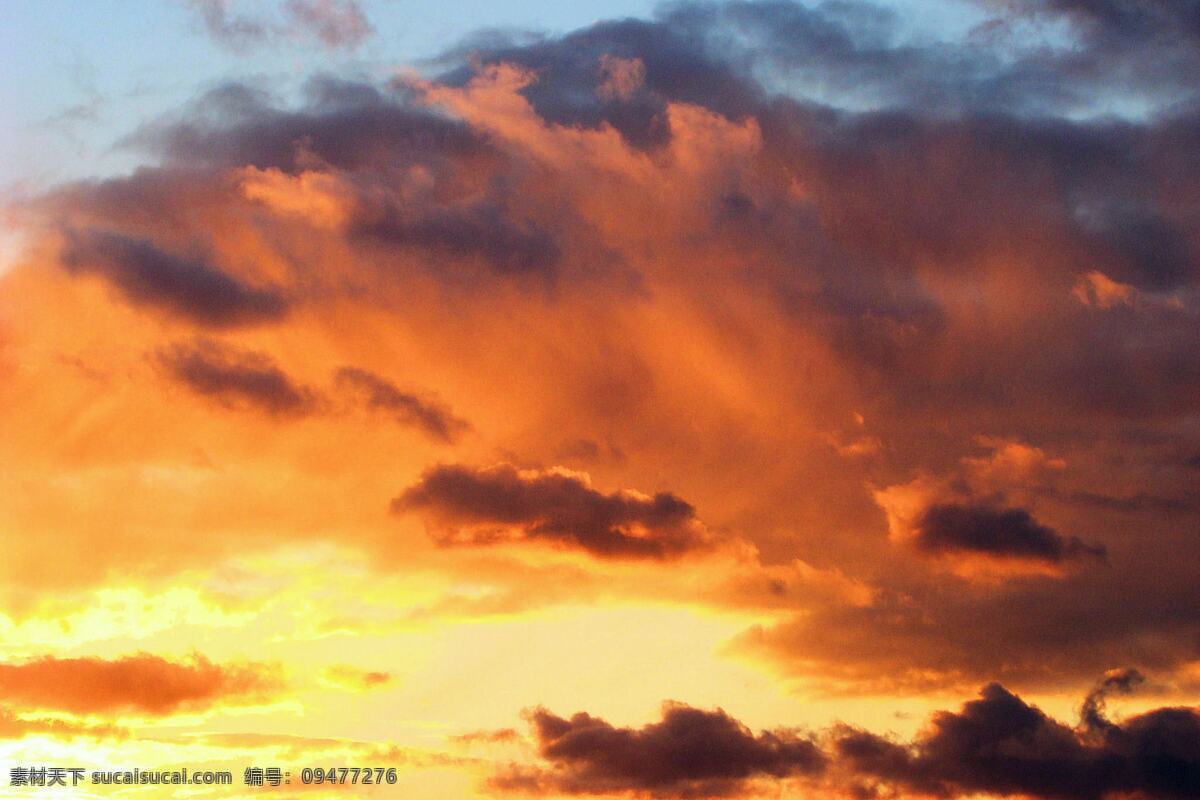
[[871, 345], [997, 745]]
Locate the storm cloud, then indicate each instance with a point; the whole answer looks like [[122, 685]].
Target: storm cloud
[[1001, 533]]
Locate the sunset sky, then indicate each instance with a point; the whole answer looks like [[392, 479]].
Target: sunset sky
[[558, 400]]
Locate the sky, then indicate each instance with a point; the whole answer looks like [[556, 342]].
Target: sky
[[546, 400]]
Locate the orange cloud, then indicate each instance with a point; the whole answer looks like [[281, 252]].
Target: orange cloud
[[617, 255], [1097, 289], [141, 683]]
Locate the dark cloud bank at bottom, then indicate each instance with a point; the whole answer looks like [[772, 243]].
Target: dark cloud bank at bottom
[[996, 744]]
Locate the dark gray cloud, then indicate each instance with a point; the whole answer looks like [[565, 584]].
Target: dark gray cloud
[[482, 230], [473, 217], [570, 69], [237, 378], [690, 753], [249, 380], [185, 286], [1138, 502], [348, 125], [468, 506], [998, 744], [407, 408], [1119, 681], [1053, 633], [856, 55], [995, 532], [1132, 20]]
